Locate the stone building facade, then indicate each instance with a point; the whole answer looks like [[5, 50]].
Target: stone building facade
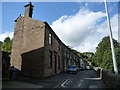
[[37, 51]]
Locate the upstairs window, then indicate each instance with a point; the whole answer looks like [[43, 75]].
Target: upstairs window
[[50, 38], [65, 52], [59, 46]]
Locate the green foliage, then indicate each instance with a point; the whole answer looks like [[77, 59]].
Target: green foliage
[[117, 50], [103, 55], [85, 55], [0, 46], [88, 54], [7, 45], [74, 51]]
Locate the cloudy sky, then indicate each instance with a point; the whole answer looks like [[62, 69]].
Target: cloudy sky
[[80, 25]]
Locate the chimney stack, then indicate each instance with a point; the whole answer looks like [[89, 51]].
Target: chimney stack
[[28, 10]]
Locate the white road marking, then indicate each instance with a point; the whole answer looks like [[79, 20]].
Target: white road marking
[[63, 84], [93, 78], [62, 81], [93, 86], [79, 85]]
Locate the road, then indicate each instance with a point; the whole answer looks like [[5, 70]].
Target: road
[[83, 79]]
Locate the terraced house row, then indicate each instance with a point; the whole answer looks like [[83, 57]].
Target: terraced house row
[[37, 51]]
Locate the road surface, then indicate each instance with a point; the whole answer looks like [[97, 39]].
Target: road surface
[[83, 79]]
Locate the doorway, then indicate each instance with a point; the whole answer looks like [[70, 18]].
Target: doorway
[[55, 55]]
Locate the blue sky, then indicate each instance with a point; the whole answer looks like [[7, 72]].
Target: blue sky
[[49, 12], [54, 11]]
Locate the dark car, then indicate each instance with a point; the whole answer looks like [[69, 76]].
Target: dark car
[[81, 68], [72, 69]]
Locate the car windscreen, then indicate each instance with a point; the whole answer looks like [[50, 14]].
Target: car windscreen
[[72, 67]]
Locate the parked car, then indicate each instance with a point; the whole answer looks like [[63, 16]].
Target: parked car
[[87, 67], [81, 68], [72, 69], [78, 69]]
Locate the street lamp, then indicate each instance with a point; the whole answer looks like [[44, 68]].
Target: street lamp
[[111, 39]]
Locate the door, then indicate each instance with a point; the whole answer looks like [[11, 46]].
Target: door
[[55, 63]]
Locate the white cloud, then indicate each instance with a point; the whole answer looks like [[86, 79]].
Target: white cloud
[[81, 30], [6, 34]]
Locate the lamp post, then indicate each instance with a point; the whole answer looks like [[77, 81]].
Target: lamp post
[[111, 39]]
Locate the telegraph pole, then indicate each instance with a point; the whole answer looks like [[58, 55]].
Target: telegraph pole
[[111, 39]]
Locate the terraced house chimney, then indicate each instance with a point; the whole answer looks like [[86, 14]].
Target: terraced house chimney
[[28, 10]]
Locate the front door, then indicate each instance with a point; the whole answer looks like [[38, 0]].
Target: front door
[[55, 63]]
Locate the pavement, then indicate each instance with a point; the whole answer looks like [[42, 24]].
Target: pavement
[[19, 84], [83, 79]]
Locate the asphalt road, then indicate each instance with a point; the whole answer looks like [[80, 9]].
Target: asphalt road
[[83, 79]]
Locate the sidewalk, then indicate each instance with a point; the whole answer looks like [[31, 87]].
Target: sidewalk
[[18, 84], [28, 82]]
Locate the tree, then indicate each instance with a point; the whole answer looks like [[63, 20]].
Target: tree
[[0, 46], [6, 51], [7, 45], [103, 55], [88, 54]]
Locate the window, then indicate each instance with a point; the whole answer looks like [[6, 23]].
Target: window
[[70, 56], [69, 62], [58, 62], [74, 57], [65, 52], [65, 62], [50, 38], [50, 59], [59, 46]]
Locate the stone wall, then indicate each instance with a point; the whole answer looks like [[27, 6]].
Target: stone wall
[[110, 79], [28, 36], [17, 43], [32, 63]]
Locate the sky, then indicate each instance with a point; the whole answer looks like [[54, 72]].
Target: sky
[[80, 25]]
